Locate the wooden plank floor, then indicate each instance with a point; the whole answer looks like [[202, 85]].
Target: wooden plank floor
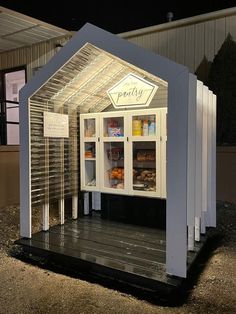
[[134, 250]]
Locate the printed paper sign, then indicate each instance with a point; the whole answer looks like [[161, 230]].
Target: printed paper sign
[[55, 124]]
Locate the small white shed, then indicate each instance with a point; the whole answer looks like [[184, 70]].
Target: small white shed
[[74, 85]]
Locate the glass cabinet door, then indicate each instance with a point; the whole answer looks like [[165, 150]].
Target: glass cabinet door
[[121, 152], [89, 127], [114, 166], [144, 125], [89, 130], [144, 166], [145, 151], [113, 128], [90, 164]]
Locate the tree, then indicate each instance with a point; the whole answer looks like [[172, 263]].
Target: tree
[[222, 81]]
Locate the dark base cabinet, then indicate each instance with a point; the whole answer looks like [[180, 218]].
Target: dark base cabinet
[[143, 211]]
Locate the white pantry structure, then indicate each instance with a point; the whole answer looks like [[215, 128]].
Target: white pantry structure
[[73, 87]]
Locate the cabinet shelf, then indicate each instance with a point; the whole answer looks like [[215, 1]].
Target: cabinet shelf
[[89, 139], [113, 139], [145, 162], [143, 138]]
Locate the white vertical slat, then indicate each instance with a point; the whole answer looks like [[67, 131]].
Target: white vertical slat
[[25, 166], [61, 206], [45, 209], [213, 164], [199, 45], [209, 155], [231, 26], [61, 201], [209, 40], [191, 159], [73, 143], [177, 156], [75, 206], [163, 151], [180, 45], [204, 156], [96, 200], [86, 203], [198, 185], [190, 48], [62, 183], [219, 33]]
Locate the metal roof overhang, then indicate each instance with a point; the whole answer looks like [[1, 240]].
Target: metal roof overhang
[[18, 30]]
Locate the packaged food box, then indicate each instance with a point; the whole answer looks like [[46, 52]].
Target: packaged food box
[[115, 153], [115, 131], [146, 155]]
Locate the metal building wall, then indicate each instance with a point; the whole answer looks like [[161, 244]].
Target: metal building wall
[[191, 42], [34, 56]]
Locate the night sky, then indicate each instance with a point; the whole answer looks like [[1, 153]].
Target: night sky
[[113, 16]]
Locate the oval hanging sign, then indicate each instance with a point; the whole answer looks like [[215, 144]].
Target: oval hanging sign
[[132, 91]]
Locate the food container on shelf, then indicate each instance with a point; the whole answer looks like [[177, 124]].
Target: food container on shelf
[[115, 153], [137, 127], [115, 131]]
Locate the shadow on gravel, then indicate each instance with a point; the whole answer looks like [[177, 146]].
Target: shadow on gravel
[[161, 296]]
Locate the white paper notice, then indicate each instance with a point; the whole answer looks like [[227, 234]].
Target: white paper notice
[[55, 124]]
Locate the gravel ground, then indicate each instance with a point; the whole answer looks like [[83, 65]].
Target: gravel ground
[[33, 288]]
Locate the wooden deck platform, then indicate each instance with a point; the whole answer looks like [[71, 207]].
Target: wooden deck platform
[[133, 254]]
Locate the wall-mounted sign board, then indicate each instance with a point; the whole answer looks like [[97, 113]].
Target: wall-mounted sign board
[[55, 125], [132, 91]]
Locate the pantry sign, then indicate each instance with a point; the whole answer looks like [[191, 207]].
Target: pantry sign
[[132, 91]]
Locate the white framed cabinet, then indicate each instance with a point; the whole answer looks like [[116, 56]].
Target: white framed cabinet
[[89, 152], [145, 152], [114, 156], [127, 148]]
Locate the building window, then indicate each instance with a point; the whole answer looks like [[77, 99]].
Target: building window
[[11, 81]]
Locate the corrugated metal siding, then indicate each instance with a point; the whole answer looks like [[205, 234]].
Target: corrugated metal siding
[[199, 40], [34, 56], [188, 44], [189, 47]]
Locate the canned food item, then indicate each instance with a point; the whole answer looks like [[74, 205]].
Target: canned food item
[[145, 127], [137, 127]]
